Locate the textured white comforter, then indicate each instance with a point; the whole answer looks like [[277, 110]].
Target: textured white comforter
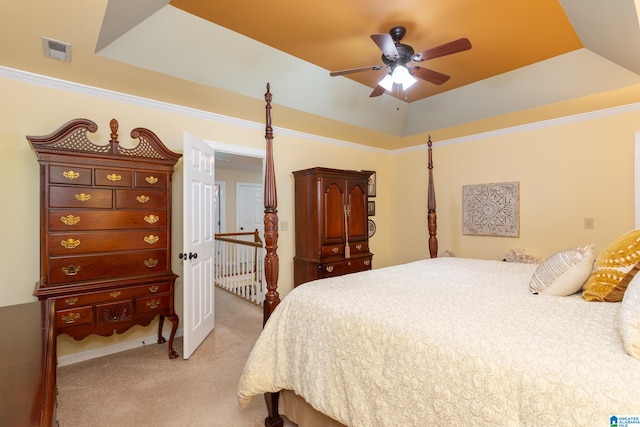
[[446, 341]]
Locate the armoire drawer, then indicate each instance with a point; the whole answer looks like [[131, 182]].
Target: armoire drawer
[[359, 247], [332, 250], [348, 266]]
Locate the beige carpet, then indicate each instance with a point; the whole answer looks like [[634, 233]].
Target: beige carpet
[[142, 387]]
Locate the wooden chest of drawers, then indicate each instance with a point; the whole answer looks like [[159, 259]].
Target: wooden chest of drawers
[[105, 252]]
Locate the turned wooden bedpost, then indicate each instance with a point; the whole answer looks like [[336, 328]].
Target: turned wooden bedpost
[[431, 207], [271, 262]]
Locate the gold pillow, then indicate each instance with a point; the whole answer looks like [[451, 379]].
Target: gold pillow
[[614, 269]]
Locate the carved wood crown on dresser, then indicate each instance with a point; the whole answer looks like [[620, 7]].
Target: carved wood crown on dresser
[[105, 221]]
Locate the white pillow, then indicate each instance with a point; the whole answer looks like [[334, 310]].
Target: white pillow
[[564, 272], [629, 318]]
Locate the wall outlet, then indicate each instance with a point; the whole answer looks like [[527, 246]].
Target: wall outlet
[[588, 223], [284, 226]]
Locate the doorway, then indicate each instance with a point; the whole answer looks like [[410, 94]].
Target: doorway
[[235, 165]]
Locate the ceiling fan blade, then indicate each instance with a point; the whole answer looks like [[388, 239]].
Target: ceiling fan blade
[[377, 91], [355, 70], [430, 75], [444, 49], [386, 45]]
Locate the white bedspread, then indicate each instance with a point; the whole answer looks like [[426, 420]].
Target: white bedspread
[[446, 341]]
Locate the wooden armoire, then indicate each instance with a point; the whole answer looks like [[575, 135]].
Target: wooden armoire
[[331, 223], [105, 231]]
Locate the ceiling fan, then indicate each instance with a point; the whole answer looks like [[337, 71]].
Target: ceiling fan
[[397, 57]]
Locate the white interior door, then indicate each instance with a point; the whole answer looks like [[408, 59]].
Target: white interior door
[[198, 245], [249, 207]]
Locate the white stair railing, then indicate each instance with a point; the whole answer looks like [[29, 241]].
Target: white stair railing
[[239, 266]]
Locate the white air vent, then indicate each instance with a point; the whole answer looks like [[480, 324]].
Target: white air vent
[[56, 49]]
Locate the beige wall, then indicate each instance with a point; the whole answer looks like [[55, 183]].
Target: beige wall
[[568, 170], [38, 110]]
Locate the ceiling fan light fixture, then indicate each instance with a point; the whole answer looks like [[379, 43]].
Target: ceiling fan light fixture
[[387, 82], [402, 76]]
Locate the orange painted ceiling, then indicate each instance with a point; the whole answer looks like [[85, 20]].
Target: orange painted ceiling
[[335, 34]]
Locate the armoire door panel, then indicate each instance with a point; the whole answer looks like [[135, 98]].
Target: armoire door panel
[[333, 213]]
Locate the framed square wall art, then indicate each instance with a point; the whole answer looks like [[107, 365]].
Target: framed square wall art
[[491, 209]]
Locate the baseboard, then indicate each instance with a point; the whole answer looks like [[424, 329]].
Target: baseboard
[[110, 349]]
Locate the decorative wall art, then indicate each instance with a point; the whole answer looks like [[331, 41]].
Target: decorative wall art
[[371, 208], [371, 228], [371, 185], [491, 209]]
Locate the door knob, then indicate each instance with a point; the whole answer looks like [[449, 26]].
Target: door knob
[[191, 255]]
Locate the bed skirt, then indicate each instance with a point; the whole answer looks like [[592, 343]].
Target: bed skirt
[[297, 410]]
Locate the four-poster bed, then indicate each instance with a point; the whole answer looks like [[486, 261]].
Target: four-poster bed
[[451, 340]]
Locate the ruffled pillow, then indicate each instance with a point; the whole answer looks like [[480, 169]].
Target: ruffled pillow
[[607, 281], [629, 318], [564, 272], [520, 255]]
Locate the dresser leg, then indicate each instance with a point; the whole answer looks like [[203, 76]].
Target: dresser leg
[[161, 339], [174, 321]]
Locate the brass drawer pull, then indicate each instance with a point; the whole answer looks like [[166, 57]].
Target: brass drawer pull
[[70, 220], [154, 303], [142, 199], [151, 262], [70, 318], [335, 250], [82, 197], [71, 175], [70, 243], [153, 289], [71, 300], [151, 179], [367, 262], [113, 177], [329, 268], [151, 239], [151, 219], [72, 270], [358, 247], [115, 294]]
